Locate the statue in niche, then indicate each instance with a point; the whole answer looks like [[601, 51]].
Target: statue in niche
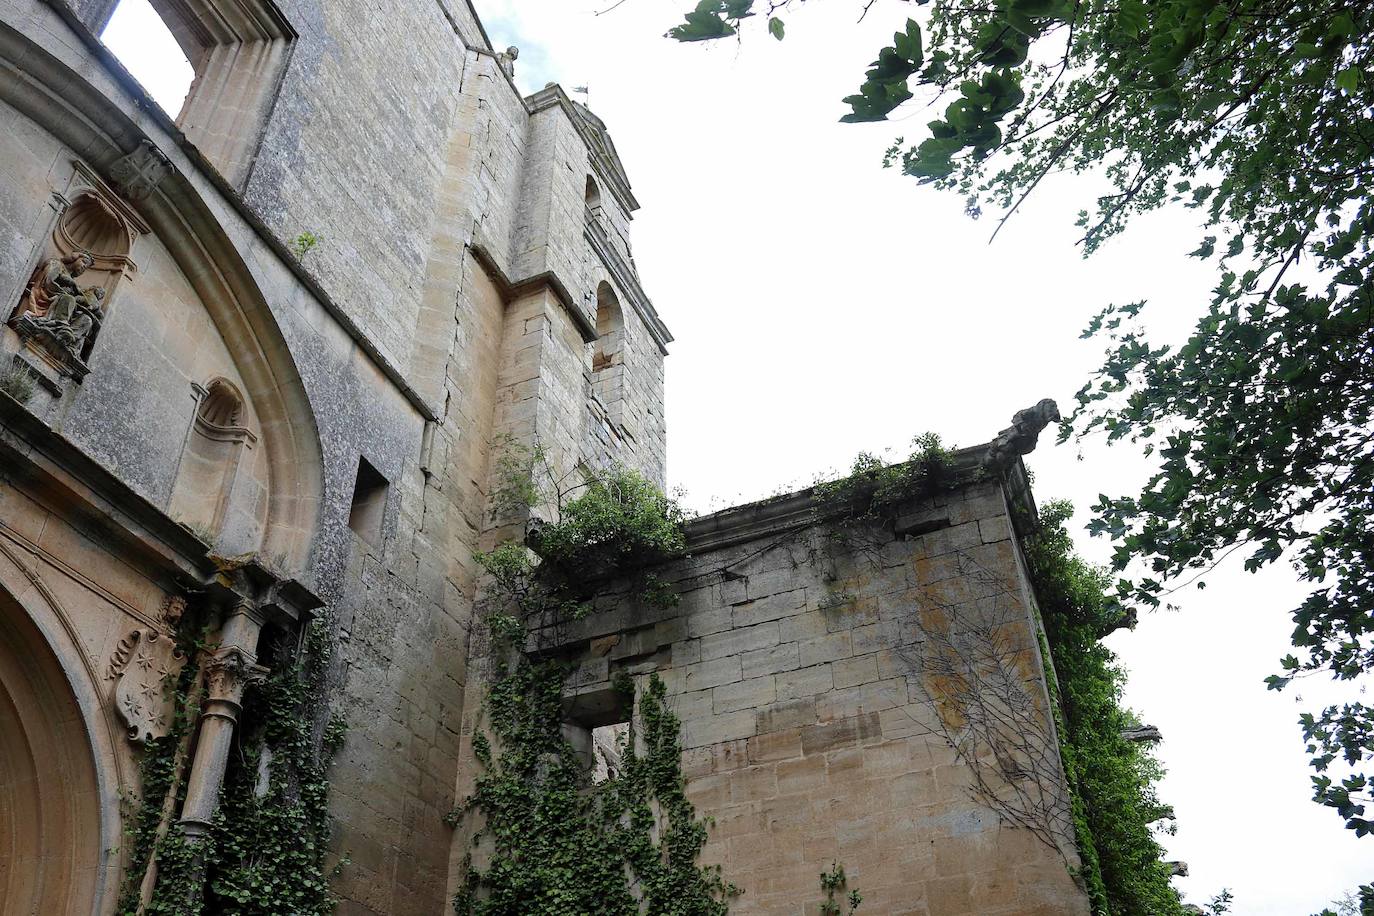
[[58, 307]]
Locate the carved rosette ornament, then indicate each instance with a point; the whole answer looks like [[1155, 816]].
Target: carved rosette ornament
[[145, 667]]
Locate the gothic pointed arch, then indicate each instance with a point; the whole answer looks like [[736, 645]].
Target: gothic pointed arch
[[176, 210]]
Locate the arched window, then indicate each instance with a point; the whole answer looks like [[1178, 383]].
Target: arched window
[[210, 459], [609, 328], [593, 194], [230, 58]]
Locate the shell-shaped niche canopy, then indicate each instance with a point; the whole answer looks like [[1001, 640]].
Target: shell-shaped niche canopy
[[221, 407], [90, 224]]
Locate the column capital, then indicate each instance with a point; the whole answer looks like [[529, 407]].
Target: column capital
[[228, 672]]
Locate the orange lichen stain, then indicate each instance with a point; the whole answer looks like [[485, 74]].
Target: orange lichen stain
[[948, 692]]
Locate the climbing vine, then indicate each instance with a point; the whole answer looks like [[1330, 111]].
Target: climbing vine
[[148, 833], [556, 842], [1112, 779], [1111, 799], [271, 834], [611, 522], [547, 839], [265, 852]]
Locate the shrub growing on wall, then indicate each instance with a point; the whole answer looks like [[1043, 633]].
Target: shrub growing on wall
[[551, 841]]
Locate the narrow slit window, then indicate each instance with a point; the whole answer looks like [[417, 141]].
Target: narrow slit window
[[369, 503]]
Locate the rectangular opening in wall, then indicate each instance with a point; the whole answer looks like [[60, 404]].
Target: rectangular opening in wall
[[369, 503], [597, 725], [215, 65], [147, 47]]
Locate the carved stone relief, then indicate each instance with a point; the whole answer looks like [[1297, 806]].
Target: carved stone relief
[[69, 293], [229, 672], [1019, 439], [145, 667], [138, 174]]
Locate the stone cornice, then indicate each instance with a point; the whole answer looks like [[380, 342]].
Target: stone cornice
[[58, 474], [511, 289], [605, 160], [789, 512]]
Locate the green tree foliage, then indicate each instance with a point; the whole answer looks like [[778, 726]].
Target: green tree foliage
[[1113, 779], [618, 523], [1257, 114]]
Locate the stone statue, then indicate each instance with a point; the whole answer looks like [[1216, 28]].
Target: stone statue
[[1020, 438], [506, 60], [60, 306]]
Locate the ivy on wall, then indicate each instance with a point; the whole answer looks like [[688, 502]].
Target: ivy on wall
[[559, 844], [1112, 779], [162, 778], [265, 853], [551, 841], [271, 834]]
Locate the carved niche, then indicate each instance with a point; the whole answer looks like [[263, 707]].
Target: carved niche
[[69, 294], [210, 457], [144, 667]]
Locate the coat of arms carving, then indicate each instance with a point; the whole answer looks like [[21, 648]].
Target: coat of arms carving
[[146, 665]]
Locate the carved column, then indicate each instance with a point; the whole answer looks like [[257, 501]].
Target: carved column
[[229, 670]]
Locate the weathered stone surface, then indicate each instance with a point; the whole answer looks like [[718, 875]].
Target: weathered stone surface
[[472, 283], [444, 306], [812, 731]]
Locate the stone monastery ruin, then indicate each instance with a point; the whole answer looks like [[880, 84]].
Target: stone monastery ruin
[[213, 434]]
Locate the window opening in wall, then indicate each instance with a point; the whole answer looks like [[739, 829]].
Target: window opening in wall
[[237, 49], [369, 503], [609, 322], [593, 194], [144, 44], [609, 743], [598, 727]]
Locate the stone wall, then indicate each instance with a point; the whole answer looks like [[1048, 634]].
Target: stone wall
[[414, 334], [872, 696]]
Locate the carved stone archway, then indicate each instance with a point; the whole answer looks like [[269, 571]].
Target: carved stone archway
[[50, 823]]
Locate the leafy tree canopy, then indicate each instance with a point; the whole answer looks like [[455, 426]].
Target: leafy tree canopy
[[1257, 114]]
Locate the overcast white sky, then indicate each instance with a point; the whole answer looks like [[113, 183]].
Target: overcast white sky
[[823, 306]]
